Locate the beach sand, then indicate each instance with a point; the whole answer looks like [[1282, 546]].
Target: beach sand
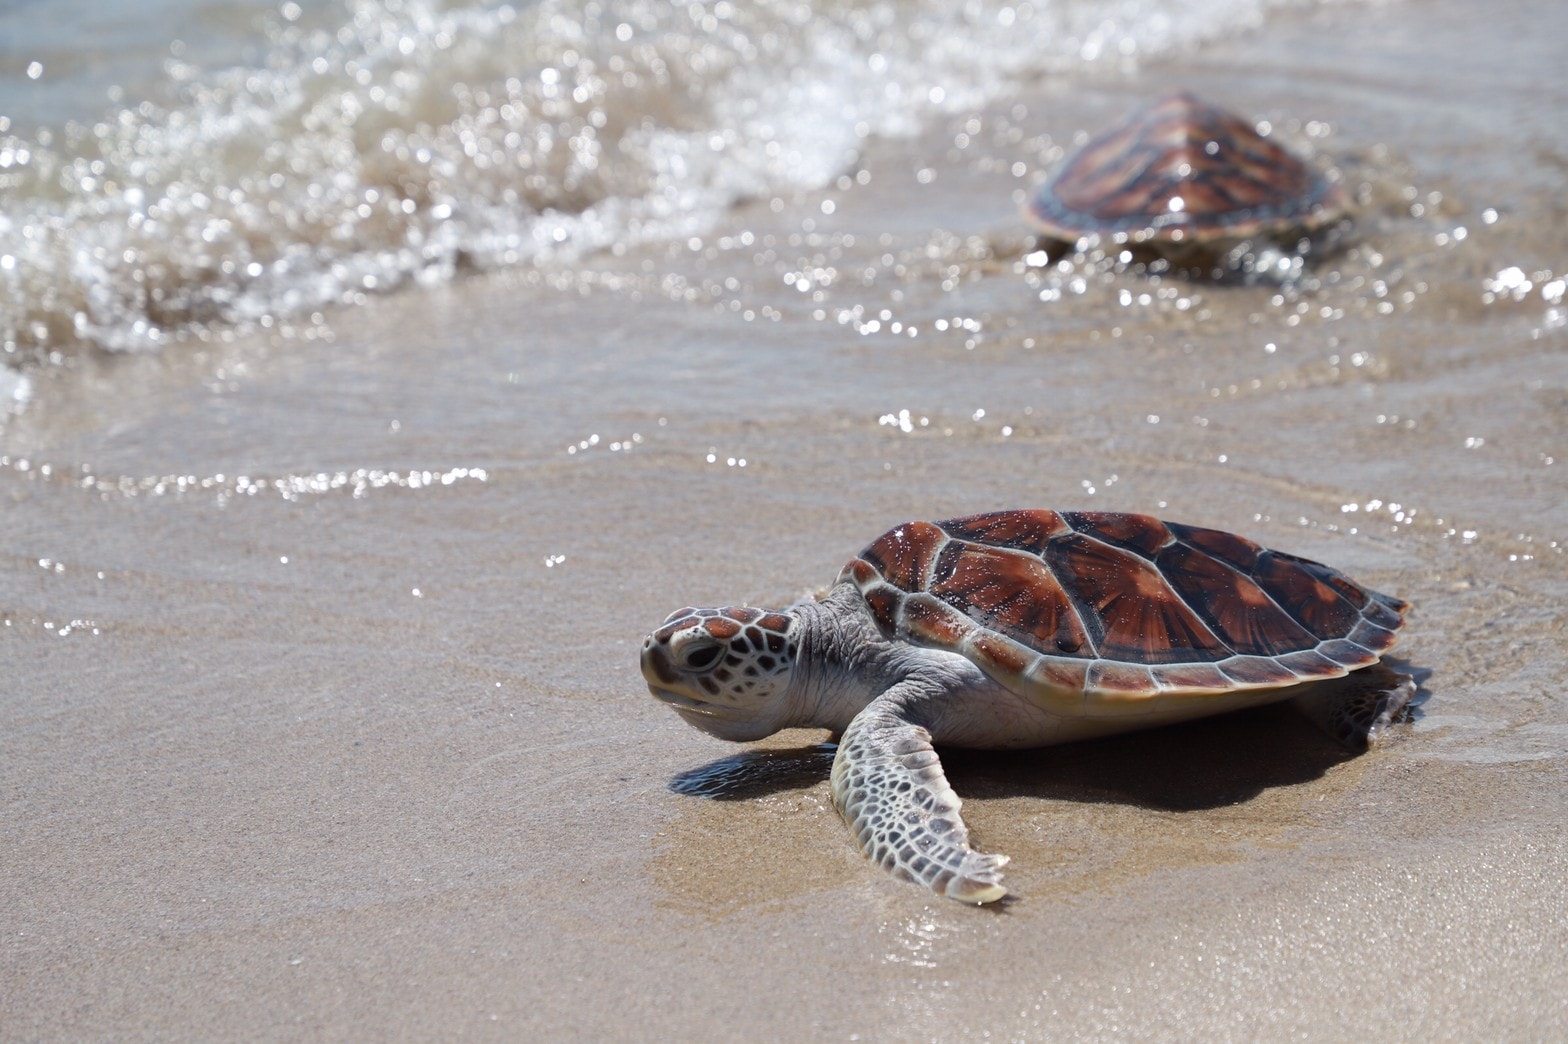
[[344, 735]]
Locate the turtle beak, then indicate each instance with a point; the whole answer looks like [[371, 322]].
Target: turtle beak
[[665, 683], [657, 668]]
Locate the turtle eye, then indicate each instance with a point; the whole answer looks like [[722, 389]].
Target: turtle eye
[[701, 655]]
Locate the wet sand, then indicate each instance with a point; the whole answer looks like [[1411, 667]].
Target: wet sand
[[316, 744]]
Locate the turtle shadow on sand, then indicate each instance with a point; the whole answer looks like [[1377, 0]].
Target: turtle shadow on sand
[[757, 773], [1205, 764]]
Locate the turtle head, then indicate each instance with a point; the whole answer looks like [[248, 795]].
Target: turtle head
[[726, 671]]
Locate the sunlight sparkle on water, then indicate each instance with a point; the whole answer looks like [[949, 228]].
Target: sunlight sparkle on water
[[59, 630], [358, 482], [1513, 283], [613, 446]]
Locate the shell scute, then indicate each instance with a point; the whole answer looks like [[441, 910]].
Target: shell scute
[[1235, 551], [1191, 677], [1062, 681], [1344, 588], [1232, 604], [863, 573], [1256, 671], [902, 556], [1309, 663], [1134, 613], [931, 621], [1298, 588], [1372, 636], [1382, 614], [885, 604], [1347, 653], [1110, 678], [1019, 530], [999, 654], [1143, 534], [1014, 593]]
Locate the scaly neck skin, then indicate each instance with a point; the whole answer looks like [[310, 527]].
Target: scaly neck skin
[[843, 662]]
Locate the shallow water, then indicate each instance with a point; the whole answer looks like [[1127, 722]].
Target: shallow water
[[324, 711], [285, 161]]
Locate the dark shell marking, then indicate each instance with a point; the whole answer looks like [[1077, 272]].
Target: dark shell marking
[[1181, 170], [1117, 606]]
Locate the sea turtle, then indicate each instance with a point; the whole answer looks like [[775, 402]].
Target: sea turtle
[[1018, 629], [1180, 172]]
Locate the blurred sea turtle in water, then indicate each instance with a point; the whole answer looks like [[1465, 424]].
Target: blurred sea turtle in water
[[1020, 629], [1188, 180]]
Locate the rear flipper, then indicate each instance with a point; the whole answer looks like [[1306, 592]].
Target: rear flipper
[[1358, 708], [890, 788]]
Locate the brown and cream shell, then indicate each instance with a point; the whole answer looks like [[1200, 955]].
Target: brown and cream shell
[[1182, 171], [1119, 609]]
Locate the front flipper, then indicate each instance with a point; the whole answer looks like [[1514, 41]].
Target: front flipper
[[889, 787]]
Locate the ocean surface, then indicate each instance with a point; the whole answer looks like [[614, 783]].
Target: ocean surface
[[183, 171]]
